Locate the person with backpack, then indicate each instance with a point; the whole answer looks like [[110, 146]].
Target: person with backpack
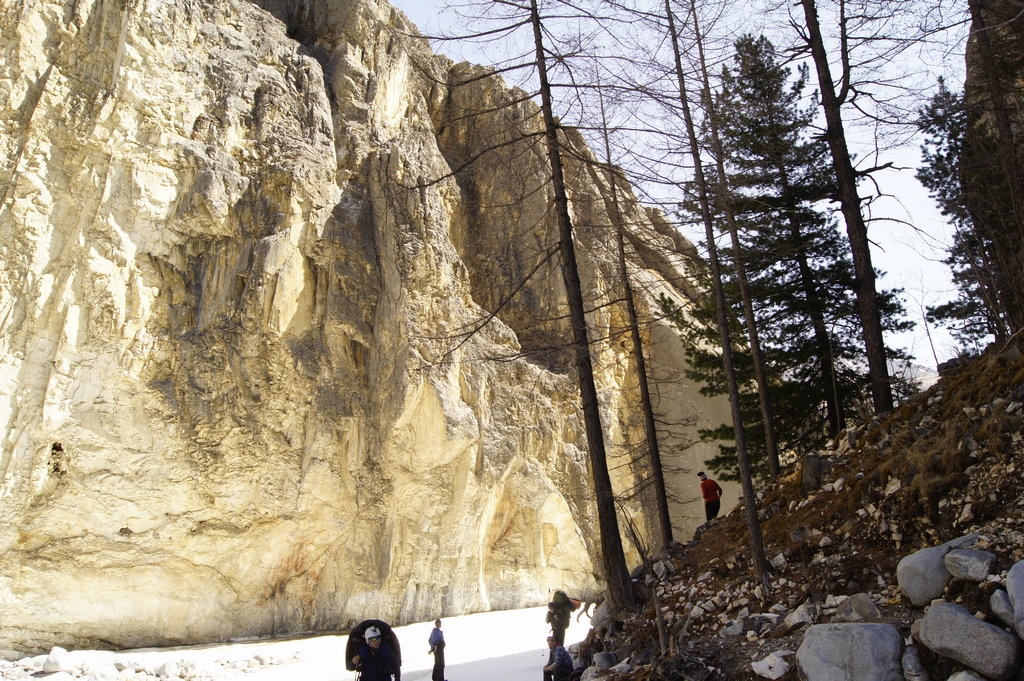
[[376, 661], [436, 642], [559, 612]]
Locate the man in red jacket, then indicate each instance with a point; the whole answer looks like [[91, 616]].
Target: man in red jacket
[[712, 494]]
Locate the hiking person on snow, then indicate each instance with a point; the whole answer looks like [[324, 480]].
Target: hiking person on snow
[[559, 666], [376, 661], [559, 611], [436, 642], [712, 494]]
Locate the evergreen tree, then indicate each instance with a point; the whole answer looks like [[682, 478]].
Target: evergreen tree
[[964, 174], [801, 272]]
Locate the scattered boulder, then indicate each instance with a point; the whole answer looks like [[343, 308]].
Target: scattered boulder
[[999, 603], [856, 608], [168, 669], [605, 660], [772, 667], [762, 622], [101, 672], [851, 652], [951, 631], [965, 676], [816, 469], [1015, 590], [737, 628], [803, 614], [624, 652], [680, 669], [913, 670], [972, 566], [59, 660], [600, 616], [945, 368], [923, 575]]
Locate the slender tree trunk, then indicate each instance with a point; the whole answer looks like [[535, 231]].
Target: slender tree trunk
[[833, 406], [856, 229], [615, 572], [659, 616], [996, 90], [758, 559], [650, 429], [725, 192], [989, 289]]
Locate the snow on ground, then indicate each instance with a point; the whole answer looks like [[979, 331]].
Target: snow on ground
[[492, 646]]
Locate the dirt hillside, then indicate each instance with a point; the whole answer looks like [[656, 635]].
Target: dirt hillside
[[946, 463]]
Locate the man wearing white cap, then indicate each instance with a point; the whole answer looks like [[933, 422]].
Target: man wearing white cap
[[376, 661]]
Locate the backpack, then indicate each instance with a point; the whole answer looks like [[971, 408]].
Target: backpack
[[563, 602]]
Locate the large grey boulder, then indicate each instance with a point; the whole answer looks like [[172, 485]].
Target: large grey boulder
[[605, 660], [856, 608], [970, 565], [601, 615], [923, 575], [850, 652], [999, 603], [1015, 590], [951, 631]]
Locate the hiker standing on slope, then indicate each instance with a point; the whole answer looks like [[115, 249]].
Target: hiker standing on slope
[[376, 661], [559, 611], [436, 642], [712, 494]]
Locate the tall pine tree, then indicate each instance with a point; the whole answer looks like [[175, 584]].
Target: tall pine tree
[[801, 273]]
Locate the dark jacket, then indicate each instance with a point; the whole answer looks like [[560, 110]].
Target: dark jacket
[[379, 665]]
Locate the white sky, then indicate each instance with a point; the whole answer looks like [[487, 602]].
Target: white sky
[[492, 646], [909, 254]]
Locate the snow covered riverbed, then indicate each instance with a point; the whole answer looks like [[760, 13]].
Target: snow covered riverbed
[[492, 646]]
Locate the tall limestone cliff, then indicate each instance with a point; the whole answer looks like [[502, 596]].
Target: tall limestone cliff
[[238, 390]]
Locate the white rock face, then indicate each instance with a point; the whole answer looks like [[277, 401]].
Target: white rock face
[[236, 390]]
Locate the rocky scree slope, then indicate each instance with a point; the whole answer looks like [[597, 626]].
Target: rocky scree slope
[[852, 535]]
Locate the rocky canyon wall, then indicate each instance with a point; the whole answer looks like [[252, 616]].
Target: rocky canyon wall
[[246, 387]]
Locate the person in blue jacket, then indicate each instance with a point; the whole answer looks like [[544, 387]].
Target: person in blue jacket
[[436, 642], [376, 661]]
